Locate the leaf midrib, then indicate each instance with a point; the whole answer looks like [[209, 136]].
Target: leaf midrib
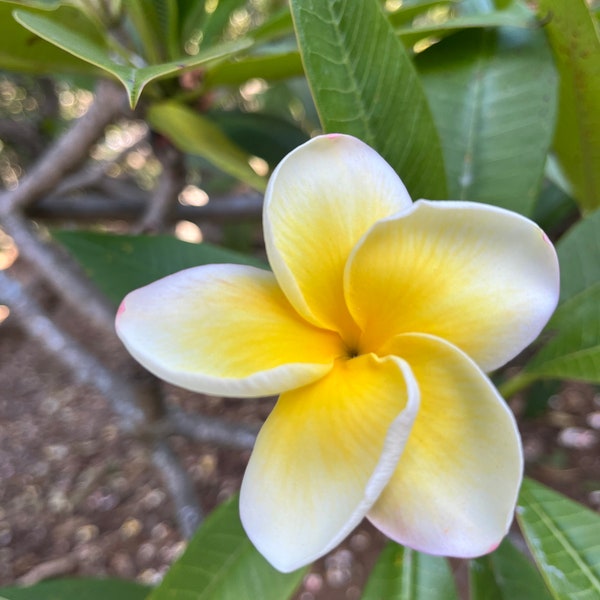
[[569, 548]]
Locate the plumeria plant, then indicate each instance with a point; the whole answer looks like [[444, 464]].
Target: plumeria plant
[[393, 332]]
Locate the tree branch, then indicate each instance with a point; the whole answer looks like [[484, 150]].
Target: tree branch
[[84, 367], [60, 272], [211, 430], [70, 150], [163, 201], [123, 202], [188, 512]]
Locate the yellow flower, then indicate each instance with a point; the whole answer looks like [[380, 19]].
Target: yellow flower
[[376, 326]]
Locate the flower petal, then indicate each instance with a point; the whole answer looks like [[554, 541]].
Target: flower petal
[[320, 200], [481, 277], [455, 487], [323, 457], [226, 330]]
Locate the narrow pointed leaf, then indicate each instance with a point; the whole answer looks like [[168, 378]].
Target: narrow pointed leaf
[[506, 574], [196, 134], [563, 537], [575, 40], [25, 52], [95, 51], [493, 95], [404, 574], [118, 264], [221, 563], [364, 84]]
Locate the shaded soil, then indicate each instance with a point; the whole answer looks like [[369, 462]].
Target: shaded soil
[[79, 498]]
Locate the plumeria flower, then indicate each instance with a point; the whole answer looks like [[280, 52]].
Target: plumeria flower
[[376, 327]]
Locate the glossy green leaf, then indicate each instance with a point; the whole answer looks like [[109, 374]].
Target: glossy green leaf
[[410, 35], [404, 574], [221, 563], [78, 589], [96, 52], [261, 134], [563, 537], [22, 51], [271, 67], [492, 93], [554, 209], [575, 40], [196, 134], [579, 256], [364, 84], [118, 264], [506, 574], [573, 351]]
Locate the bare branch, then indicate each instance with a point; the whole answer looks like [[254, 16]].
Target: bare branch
[[70, 150], [188, 512], [21, 134], [94, 175], [210, 430], [125, 202], [60, 272], [85, 367], [164, 199], [49, 569]]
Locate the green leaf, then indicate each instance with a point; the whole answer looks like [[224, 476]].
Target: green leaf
[[492, 93], [406, 13], [573, 35], [563, 537], [271, 67], [410, 35], [364, 84], [95, 51], [405, 574], [120, 263], [196, 134], [579, 256], [26, 53], [574, 350], [78, 589], [221, 563], [554, 208], [506, 574], [260, 134]]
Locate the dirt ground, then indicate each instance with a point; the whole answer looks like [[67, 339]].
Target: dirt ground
[[79, 498]]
